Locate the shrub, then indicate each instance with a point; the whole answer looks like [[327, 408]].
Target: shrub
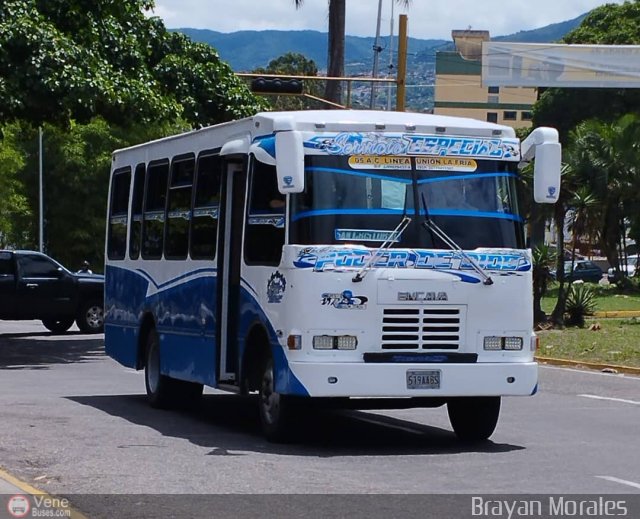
[[580, 303]]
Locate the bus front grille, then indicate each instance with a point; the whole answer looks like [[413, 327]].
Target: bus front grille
[[418, 327]]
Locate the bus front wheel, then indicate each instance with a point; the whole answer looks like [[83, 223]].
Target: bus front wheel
[[157, 384], [474, 418], [275, 409]]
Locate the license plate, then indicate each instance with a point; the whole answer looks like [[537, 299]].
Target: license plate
[[423, 379]]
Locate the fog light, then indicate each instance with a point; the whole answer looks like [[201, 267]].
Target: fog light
[[322, 342], [493, 343], [513, 343]]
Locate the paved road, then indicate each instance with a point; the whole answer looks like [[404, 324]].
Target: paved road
[[73, 422]]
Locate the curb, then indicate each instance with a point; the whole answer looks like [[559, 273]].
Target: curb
[[610, 368], [618, 313]]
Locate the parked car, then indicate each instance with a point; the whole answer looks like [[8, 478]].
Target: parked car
[[630, 269], [583, 270], [35, 286]]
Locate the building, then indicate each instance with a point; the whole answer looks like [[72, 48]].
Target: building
[[459, 90]]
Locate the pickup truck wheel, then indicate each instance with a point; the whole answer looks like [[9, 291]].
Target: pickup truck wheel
[[474, 418], [58, 324], [91, 317]]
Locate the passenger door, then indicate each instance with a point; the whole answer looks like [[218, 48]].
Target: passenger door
[[43, 288], [229, 266]]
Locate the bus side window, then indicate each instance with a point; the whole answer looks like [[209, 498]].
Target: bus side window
[[206, 203], [264, 230], [179, 207], [118, 212], [136, 212], [154, 208]]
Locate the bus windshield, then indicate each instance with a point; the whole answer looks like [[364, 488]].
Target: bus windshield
[[349, 201]]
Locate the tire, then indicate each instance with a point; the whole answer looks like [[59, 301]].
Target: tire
[[276, 410], [58, 324], [90, 317], [164, 392], [474, 419]]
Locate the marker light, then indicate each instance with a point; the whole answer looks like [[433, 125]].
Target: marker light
[[294, 342]]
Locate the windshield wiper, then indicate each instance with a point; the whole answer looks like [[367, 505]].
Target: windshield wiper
[[431, 226], [393, 237]]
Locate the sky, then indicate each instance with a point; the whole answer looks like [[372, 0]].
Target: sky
[[427, 19]]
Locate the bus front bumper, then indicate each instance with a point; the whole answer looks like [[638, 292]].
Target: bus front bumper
[[414, 380]]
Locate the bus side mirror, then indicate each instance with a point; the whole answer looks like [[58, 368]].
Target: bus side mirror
[[290, 162], [546, 172]]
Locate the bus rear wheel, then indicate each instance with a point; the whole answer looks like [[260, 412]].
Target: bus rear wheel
[[275, 409], [165, 392], [474, 419]]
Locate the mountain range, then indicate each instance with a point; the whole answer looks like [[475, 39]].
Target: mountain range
[[247, 50]]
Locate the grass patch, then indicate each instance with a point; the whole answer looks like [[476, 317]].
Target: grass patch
[[616, 342], [608, 299]]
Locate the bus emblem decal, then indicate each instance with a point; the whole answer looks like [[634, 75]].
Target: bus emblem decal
[[276, 287], [344, 301]]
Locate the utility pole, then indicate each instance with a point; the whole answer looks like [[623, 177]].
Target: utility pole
[[402, 64], [376, 52], [40, 193]]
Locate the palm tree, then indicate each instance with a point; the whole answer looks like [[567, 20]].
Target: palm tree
[[607, 156], [335, 58]]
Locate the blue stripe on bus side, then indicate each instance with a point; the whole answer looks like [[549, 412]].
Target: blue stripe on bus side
[[188, 347]]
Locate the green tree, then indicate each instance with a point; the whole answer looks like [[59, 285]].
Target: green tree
[[63, 60], [294, 64], [14, 205], [564, 108], [607, 154], [77, 163]]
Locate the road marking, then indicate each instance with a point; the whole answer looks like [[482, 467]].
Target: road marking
[[596, 397], [621, 481], [619, 376]]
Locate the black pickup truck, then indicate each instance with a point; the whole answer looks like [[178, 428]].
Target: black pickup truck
[[35, 286]]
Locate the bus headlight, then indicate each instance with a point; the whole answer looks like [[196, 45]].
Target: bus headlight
[[335, 342], [494, 343], [513, 343], [322, 342]]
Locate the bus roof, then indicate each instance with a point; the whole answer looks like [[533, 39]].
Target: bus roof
[[266, 123], [375, 120]]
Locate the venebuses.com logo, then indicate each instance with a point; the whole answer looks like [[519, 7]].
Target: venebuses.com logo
[[18, 506]]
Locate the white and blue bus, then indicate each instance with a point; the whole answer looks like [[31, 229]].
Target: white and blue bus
[[358, 258]]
